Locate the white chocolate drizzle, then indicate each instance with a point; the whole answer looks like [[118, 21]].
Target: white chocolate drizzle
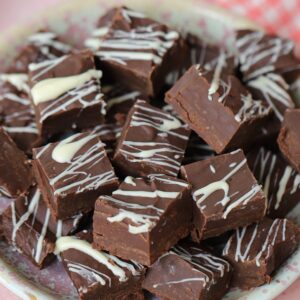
[[274, 89], [204, 263], [278, 178], [253, 50], [78, 174], [242, 252], [19, 81], [201, 194], [143, 43], [112, 263], [52, 88], [143, 221]]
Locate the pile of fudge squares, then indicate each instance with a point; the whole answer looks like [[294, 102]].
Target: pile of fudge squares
[[172, 177]]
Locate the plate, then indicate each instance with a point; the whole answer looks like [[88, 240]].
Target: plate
[[74, 20]]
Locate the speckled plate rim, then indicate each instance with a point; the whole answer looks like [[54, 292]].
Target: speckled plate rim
[[19, 284]]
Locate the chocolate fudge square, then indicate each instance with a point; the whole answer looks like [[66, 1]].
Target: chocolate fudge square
[[72, 174], [66, 93], [208, 56], [143, 218], [218, 107], [152, 142], [136, 51], [16, 110], [27, 224], [256, 251], [40, 46], [260, 53], [98, 274], [289, 137], [25, 232], [225, 193], [281, 183], [15, 170], [188, 272]]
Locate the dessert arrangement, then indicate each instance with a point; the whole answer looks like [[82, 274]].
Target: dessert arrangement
[[149, 163]]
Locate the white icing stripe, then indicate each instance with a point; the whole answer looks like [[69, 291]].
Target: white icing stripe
[[256, 51], [214, 86], [145, 222], [72, 96], [28, 129], [45, 40], [39, 246], [109, 261], [274, 89], [15, 98], [117, 100], [145, 194], [31, 208], [66, 149], [19, 81], [282, 185], [52, 88], [243, 249], [250, 108], [201, 194]]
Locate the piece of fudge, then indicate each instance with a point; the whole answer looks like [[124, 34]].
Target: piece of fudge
[[152, 142], [143, 218], [256, 251], [225, 193], [188, 272], [15, 170], [118, 103], [218, 107], [27, 224], [98, 274], [16, 111], [72, 174], [40, 46], [289, 137], [281, 183], [208, 56], [196, 150], [66, 93], [260, 53], [136, 51]]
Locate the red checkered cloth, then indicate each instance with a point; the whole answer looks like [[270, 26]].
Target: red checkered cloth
[[276, 16]]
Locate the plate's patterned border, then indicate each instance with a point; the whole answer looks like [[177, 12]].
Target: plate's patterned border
[[75, 19]]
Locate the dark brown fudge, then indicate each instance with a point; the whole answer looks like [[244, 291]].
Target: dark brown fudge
[[16, 111], [256, 251], [196, 150], [98, 274], [225, 193], [118, 102], [260, 53], [281, 183], [152, 142], [27, 224], [15, 171], [289, 137], [188, 272], [108, 134], [143, 218], [137, 51], [208, 56], [40, 46], [72, 173], [66, 93], [218, 107]]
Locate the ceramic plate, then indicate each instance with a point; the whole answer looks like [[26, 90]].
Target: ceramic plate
[[74, 20]]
